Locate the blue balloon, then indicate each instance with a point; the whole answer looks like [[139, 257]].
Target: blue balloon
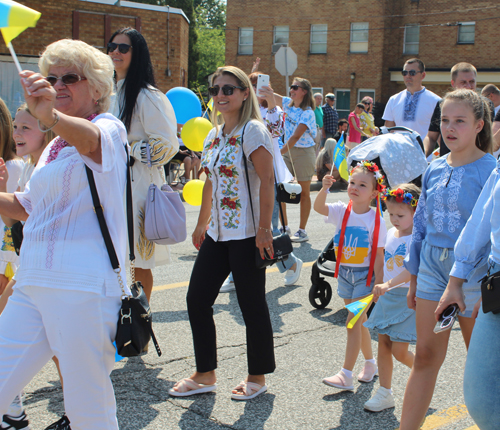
[[185, 103]]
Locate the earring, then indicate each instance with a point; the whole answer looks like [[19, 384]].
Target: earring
[[96, 102], [244, 100]]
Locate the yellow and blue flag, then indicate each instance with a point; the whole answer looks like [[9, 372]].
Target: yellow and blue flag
[[357, 308], [339, 158], [15, 18]]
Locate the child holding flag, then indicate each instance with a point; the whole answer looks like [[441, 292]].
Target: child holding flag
[[359, 242], [391, 318]]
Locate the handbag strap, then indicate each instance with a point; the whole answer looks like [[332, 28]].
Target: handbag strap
[[99, 211]]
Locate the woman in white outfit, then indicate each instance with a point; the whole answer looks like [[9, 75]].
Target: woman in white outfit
[[67, 296], [150, 120]]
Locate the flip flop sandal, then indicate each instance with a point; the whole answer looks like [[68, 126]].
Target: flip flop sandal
[[250, 390], [188, 387]]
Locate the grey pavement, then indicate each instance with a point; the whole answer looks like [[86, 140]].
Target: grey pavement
[[309, 346]]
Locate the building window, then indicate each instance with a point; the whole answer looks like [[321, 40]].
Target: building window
[[343, 102], [412, 37], [319, 34], [281, 34], [466, 33], [245, 42], [359, 37], [317, 90], [363, 92]]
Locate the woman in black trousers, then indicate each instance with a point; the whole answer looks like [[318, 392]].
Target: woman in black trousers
[[240, 221]]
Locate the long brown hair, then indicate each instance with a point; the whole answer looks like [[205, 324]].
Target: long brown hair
[[308, 100], [6, 128]]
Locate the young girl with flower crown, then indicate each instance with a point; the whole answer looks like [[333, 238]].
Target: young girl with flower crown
[[450, 188], [359, 242], [391, 318]]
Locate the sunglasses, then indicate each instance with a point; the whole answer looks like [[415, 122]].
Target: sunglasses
[[295, 87], [67, 79], [448, 316], [366, 103], [227, 90], [410, 72], [123, 48]]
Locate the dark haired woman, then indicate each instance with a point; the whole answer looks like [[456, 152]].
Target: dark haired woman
[[150, 122]]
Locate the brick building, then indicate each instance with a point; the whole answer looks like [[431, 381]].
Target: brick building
[[94, 21], [358, 47]]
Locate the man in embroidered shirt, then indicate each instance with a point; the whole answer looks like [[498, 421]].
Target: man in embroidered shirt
[[330, 118], [414, 106]]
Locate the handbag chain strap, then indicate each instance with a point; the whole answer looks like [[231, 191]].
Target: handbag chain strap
[[290, 155], [99, 211]]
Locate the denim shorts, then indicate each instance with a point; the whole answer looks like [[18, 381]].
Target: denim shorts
[[352, 282], [434, 273]]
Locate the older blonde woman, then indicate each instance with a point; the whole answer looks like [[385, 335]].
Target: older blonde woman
[[67, 296], [235, 230]]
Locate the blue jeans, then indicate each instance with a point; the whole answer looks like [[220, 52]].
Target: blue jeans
[[481, 377]]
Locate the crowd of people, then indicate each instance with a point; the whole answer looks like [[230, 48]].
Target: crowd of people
[[61, 297]]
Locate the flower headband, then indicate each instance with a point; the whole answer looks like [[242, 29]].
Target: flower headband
[[372, 167], [401, 197]]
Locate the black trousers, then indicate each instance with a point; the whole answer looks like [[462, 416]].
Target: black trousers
[[214, 263]]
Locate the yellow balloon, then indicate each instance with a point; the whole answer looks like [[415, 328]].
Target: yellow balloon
[[193, 192], [194, 132]]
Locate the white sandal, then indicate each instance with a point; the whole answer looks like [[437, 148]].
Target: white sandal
[[188, 387], [250, 390]]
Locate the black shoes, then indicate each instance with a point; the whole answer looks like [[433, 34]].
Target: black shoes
[[62, 424]]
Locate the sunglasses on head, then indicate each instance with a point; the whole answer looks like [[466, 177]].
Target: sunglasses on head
[[295, 87], [227, 90], [67, 79], [410, 72], [123, 48]]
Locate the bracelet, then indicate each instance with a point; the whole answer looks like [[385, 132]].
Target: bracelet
[[267, 230], [51, 127]]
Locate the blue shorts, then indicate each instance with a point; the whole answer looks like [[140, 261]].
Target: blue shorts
[[434, 274], [352, 282]]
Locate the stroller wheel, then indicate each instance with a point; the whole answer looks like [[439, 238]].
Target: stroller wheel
[[320, 294]]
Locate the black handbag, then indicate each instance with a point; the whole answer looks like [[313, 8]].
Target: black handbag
[[282, 244], [490, 293], [17, 236], [135, 321], [288, 193]]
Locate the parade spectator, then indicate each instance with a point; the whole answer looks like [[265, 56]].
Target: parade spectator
[[330, 117], [342, 128], [367, 120], [450, 188], [479, 241], [492, 92], [463, 75], [150, 121], [318, 112], [412, 107], [324, 161], [67, 296], [355, 132], [496, 135], [190, 159], [298, 151], [236, 228]]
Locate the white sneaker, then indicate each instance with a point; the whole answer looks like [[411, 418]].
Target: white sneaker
[[292, 276], [300, 236], [383, 399], [287, 229], [227, 286]]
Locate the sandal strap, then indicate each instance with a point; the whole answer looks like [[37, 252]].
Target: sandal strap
[[248, 388], [187, 384]]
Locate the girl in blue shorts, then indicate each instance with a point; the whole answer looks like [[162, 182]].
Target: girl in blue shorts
[[391, 318], [450, 188], [359, 242]]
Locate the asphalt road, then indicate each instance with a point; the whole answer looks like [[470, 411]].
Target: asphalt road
[[309, 345]]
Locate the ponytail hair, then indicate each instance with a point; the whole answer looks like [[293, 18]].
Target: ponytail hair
[[481, 110]]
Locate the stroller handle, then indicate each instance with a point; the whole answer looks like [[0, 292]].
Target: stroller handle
[[409, 130]]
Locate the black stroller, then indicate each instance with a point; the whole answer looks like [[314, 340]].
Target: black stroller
[[400, 157]]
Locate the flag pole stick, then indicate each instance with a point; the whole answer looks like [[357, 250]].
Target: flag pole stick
[[14, 57]]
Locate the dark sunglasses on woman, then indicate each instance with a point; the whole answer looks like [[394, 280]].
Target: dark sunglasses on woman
[[227, 90], [67, 79], [123, 48], [295, 87], [410, 72]]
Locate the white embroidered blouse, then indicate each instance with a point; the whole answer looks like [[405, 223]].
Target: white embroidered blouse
[[222, 160], [63, 245]]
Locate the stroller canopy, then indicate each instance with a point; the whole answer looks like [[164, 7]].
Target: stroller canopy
[[401, 156]]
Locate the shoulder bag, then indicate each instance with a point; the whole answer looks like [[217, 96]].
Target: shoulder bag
[[490, 293], [165, 215], [282, 244], [287, 192], [135, 321]]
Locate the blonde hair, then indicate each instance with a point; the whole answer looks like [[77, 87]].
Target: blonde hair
[[480, 107], [249, 108], [47, 137], [308, 100], [6, 140], [327, 149], [462, 68], [96, 66]]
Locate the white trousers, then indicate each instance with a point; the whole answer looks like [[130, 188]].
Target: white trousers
[[78, 328]]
